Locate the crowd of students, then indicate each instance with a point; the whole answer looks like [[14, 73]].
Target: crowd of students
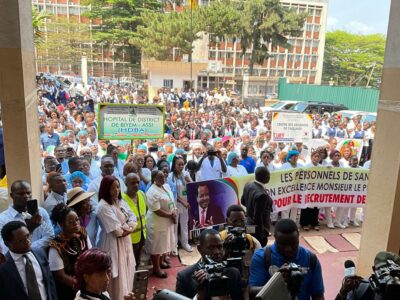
[[130, 199]]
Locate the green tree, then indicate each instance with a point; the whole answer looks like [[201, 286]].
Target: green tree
[[353, 59], [38, 21], [164, 31], [118, 21], [64, 43], [264, 23]]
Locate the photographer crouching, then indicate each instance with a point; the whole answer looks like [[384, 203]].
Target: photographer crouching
[[211, 276], [383, 284], [300, 268]]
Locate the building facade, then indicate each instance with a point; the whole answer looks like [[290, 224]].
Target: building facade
[[227, 67], [102, 61]]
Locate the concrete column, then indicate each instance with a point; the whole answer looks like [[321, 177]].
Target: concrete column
[[18, 94], [381, 230]]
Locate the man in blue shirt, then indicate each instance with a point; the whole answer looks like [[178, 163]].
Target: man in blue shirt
[[38, 224], [247, 161], [286, 250], [49, 138]]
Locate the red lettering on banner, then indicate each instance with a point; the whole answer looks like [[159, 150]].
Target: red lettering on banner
[[361, 199]]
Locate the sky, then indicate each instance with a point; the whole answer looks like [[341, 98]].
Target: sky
[[359, 16]]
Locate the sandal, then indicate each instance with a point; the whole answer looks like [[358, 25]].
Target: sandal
[[306, 228], [160, 274], [167, 259], [316, 228], [165, 265]]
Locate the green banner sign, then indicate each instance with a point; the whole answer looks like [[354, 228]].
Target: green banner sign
[[130, 121]]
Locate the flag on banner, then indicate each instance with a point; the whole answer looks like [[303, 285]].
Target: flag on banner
[[193, 4]]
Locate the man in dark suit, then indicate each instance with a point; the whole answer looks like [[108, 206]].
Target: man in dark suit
[[193, 131], [206, 213], [193, 279], [25, 275], [258, 204]]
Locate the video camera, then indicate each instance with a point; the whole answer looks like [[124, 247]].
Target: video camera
[[295, 278], [239, 243], [217, 283], [385, 281]]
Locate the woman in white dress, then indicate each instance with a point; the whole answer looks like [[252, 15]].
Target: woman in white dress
[[234, 169], [291, 163], [161, 218], [177, 182], [336, 162], [266, 159], [309, 215], [117, 222]]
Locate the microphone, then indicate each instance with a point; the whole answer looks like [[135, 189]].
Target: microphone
[[273, 269], [349, 268]]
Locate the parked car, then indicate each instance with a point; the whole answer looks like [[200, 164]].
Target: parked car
[[365, 116], [319, 107], [280, 105]]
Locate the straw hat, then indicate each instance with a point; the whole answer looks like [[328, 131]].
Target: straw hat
[[77, 195]]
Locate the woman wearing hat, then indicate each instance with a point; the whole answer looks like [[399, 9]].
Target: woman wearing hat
[[79, 201]]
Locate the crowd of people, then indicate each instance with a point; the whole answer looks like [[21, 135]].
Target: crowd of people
[[129, 199]]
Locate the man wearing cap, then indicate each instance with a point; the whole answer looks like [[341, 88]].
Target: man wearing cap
[[136, 201], [80, 202]]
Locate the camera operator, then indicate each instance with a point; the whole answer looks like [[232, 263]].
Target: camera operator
[[237, 242], [383, 284], [282, 254], [236, 218], [211, 166], [194, 279]]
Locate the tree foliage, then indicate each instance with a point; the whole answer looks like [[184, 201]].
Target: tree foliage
[[119, 22], [164, 31], [349, 58], [257, 23], [65, 42], [38, 21], [264, 23]]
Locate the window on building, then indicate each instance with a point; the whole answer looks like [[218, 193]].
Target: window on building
[[168, 83], [314, 43], [62, 10], [272, 72], [309, 27], [318, 12], [290, 57], [74, 11], [296, 73], [308, 43], [281, 73], [317, 27], [307, 58], [314, 58], [211, 54]]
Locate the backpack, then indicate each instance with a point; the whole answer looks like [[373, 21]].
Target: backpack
[[268, 259]]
